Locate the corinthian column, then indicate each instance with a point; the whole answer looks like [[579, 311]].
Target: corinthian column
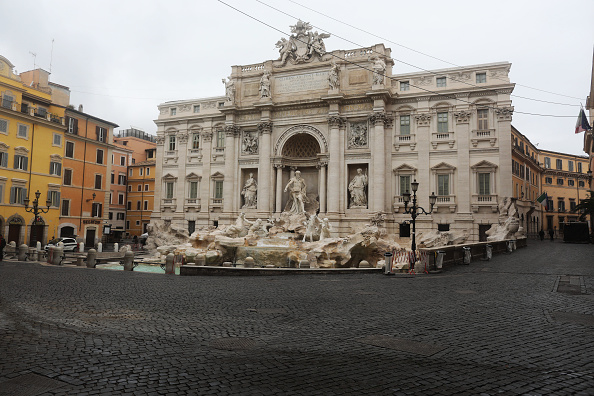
[[334, 122], [279, 188], [264, 130], [378, 165], [230, 166], [322, 187]]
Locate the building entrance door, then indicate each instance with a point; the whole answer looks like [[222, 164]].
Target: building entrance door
[[14, 233], [90, 238], [36, 234]]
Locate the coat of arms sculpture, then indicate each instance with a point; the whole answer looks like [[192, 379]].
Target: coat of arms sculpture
[[303, 45]]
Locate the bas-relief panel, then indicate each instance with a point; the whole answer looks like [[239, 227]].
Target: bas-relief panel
[[351, 108], [301, 82], [300, 112], [251, 89]]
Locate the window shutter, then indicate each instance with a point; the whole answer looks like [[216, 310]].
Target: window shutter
[[25, 162], [58, 199], [97, 132], [4, 160], [59, 169], [12, 195], [100, 210], [16, 162], [23, 195]]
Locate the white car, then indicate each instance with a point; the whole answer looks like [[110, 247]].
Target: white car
[[70, 244]]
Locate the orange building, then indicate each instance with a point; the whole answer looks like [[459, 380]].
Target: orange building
[[121, 157], [141, 196], [86, 180], [141, 143]]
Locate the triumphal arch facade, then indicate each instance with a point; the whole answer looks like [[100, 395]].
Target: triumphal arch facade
[[358, 135]]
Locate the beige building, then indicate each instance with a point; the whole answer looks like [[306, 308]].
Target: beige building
[[328, 114]]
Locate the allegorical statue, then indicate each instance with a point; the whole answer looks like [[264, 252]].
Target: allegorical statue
[[325, 231], [357, 190], [250, 193], [298, 193], [333, 80], [265, 85], [379, 71], [229, 89]]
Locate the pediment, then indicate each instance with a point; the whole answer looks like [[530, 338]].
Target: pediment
[[193, 176], [21, 149], [484, 164], [56, 157], [4, 146], [217, 175], [443, 166], [404, 168], [169, 176]]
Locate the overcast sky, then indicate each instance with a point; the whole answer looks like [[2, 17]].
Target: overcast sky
[[121, 59]]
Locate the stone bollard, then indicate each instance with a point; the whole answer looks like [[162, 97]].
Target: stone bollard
[[58, 253], [116, 247], [40, 255], [80, 261], [200, 260], [81, 247], [23, 249], [129, 261], [303, 264], [169, 264], [38, 246], [227, 264], [364, 264], [249, 262], [91, 258], [99, 247]]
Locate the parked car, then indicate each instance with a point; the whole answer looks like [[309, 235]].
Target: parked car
[[70, 244]]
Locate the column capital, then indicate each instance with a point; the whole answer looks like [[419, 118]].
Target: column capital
[[504, 113], [381, 117], [265, 127], [336, 121], [160, 140], [207, 136], [232, 130]]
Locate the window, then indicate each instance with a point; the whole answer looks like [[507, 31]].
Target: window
[[561, 205], [548, 180], [98, 182], [171, 142], [484, 183], [570, 182], [120, 199], [442, 122], [195, 141], [221, 104], [69, 149], [481, 78], [145, 205], [57, 140], [547, 163], [120, 216], [130, 172], [441, 82], [173, 111], [193, 190], [54, 197], [21, 162], [110, 216], [4, 126], [129, 187], [41, 111], [121, 179], [139, 187], [570, 166], [196, 108], [405, 184], [3, 159], [140, 171], [220, 139], [146, 187], [405, 125], [218, 189], [129, 205], [101, 134], [581, 183], [579, 167], [443, 184], [191, 226], [99, 156], [482, 116], [404, 85], [67, 177], [55, 168], [7, 101], [112, 180], [65, 207], [137, 205], [550, 206], [169, 190], [72, 125], [23, 131], [559, 181], [18, 195], [148, 171], [127, 224], [123, 161], [443, 227], [572, 204], [149, 154], [137, 222], [97, 209], [133, 161], [559, 164]]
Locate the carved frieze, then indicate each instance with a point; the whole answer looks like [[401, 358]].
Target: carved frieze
[[462, 117], [504, 113], [460, 76], [423, 119], [499, 73], [358, 135], [207, 136], [164, 111], [249, 143], [209, 105], [182, 137], [424, 80], [184, 108], [336, 121]]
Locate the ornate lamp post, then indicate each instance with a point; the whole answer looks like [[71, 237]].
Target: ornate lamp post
[[415, 210], [36, 210]]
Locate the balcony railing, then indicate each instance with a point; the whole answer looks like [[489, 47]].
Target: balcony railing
[[168, 203], [192, 203]]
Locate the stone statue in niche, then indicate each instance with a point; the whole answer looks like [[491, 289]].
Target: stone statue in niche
[[357, 190], [379, 70], [250, 193], [229, 89], [358, 135], [298, 193], [249, 144], [265, 85], [333, 78]]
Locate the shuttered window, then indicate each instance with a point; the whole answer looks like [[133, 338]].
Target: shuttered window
[[55, 168]]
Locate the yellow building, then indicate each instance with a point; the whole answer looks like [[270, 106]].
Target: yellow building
[[31, 151], [565, 181], [141, 197]]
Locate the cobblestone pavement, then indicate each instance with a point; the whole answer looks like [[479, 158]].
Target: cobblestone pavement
[[519, 324]]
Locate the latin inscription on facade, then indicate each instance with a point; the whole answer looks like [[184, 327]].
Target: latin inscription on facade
[[358, 77], [251, 89], [301, 82], [300, 112]]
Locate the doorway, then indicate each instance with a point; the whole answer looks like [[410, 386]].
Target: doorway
[[483, 228], [90, 238], [14, 233], [36, 234]]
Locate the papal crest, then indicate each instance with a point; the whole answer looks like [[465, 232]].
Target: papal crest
[[302, 46]]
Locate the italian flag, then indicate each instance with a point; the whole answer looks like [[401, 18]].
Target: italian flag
[[542, 198]]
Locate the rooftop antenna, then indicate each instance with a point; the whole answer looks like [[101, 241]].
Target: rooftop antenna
[[51, 56], [34, 58]]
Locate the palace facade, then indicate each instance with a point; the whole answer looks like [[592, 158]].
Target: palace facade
[[329, 114]]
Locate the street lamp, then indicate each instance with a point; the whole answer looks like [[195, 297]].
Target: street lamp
[[36, 210], [414, 211]]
